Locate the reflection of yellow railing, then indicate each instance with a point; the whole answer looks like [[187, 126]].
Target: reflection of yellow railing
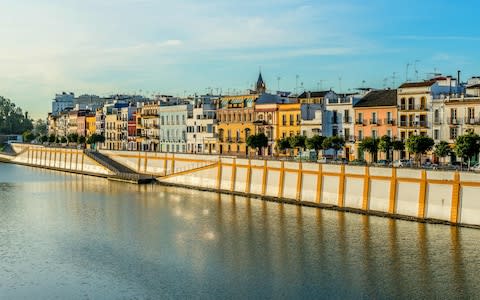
[[189, 169]]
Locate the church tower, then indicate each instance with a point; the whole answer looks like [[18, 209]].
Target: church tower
[[260, 88]]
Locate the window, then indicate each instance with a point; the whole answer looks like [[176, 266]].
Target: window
[[389, 117], [389, 133], [334, 131], [346, 133], [423, 103], [334, 118], [360, 118], [436, 116], [360, 135], [374, 118], [291, 120], [471, 115], [284, 120], [374, 134], [411, 103], [402, 104], [436, 134], [346, 116], [453, 133], [453, 116]]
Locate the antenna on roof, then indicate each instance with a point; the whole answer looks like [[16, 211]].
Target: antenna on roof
[[406, 72], [415, 68]]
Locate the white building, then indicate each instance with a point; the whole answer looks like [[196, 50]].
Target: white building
[[173, 125], [62, 102], [201, 126]]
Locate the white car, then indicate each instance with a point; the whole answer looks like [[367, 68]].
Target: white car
[[475, 168]]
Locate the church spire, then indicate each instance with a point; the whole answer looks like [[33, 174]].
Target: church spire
[[260, 87]]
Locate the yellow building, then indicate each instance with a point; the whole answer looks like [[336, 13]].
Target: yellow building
[[235, 123], [90, 121], [288, 120], [236, 116]]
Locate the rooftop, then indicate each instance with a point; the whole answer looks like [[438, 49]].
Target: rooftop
[[378, 98]]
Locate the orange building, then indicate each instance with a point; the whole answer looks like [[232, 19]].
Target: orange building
[[376, 115]]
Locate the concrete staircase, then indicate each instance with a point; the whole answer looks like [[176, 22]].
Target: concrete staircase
[[121, 172]]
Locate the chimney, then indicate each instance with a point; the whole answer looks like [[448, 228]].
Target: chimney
[[458, 77]]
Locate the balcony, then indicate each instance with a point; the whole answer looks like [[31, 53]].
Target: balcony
[[375, 122], [413, 124], [389, 122], [412, 108], [360, 122], [347, 120], [437, 121], [334, 120], [454, 121], [472, 121]]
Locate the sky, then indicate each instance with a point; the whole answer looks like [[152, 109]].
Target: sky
[[184, 47]]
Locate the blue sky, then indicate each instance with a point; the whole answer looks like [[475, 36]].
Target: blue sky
[[182, 47]]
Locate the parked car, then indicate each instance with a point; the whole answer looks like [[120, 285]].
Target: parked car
[[430, 165], [382, 163], [475, 168], [402, 163]]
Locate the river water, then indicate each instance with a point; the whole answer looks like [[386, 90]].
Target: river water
[[69, 236]]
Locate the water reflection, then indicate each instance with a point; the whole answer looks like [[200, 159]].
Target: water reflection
[[74, 236]]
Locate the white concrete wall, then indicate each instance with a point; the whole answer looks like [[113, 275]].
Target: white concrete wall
[[59, 158], [405, 198]]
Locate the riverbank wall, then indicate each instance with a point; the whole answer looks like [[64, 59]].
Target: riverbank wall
[[422, 195], [61, 159], [448, 197]]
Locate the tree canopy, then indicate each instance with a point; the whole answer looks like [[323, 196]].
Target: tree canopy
[[257, 141], [370, 145], [467, 145], [442, 149], [315, 143], [333, 142], [12, 118], [418, 145]]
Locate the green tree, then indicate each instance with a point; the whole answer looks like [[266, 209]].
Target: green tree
[[72, 137], [419, 145], [370, 145], [94, 139], [315, 143], [12, 119], [44, 139], [28, 136], [63, 140], [467, 146], [385, 146], [258, 142], [442, 150], [297, 142], [333, 142], [52, 138], [81, 139], [283, 144], [398, 146], [40, 127]]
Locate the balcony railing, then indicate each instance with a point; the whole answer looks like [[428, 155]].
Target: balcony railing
[[347, 120], [375, 122], [418, 124], [360, 122], [334, 120], [412, 107], [389, 122], [454, 121], [472, 121]]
